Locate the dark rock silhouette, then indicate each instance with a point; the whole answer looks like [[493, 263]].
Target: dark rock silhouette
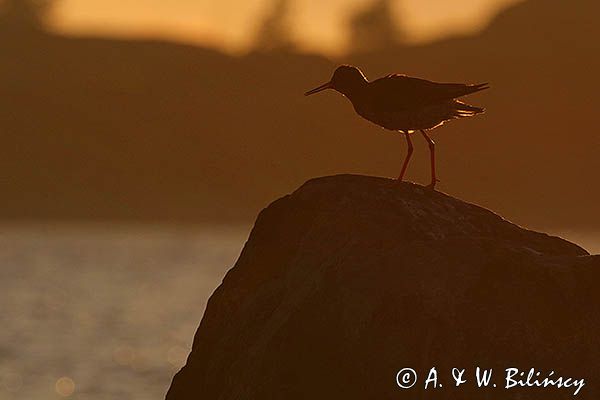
[[351, 278]]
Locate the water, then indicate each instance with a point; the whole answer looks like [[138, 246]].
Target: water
[[93, 312], [103, 312]]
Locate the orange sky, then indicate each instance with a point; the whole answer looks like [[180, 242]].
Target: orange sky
[[318, 25]]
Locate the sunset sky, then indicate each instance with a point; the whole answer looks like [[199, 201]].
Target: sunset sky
[[230, 24]]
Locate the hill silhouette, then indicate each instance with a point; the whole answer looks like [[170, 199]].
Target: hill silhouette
[[17, 16], [111, 129], [350, 279]]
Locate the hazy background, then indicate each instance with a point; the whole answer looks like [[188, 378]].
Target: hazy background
[[141, 138], [107, 129], [231, 24]]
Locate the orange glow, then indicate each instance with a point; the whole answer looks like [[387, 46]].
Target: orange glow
[[65, 386], [124, 355], [230, 24]]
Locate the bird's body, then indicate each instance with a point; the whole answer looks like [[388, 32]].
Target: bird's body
[[402, 103]]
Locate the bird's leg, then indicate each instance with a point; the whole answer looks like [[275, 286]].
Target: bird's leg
[[432, 156], [408, 155]]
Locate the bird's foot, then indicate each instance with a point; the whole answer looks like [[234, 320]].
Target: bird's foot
[[432, 184]]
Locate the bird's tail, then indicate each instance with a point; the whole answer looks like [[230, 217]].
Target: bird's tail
[[465, 110]]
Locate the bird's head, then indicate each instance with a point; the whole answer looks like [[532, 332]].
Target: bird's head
[[346, 79]]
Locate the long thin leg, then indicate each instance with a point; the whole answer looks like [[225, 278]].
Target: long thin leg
[[432, 156], [408, 155]]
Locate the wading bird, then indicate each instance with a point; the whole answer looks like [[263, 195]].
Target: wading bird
[[404, 104]]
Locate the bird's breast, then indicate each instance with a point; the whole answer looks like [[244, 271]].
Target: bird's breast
[[405, 119]]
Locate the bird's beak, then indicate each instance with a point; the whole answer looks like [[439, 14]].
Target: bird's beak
[[324, 86]]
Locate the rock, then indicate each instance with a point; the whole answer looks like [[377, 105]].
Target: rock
[[350, 279]]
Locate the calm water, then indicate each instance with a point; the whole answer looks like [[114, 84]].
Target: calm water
[[92, 312], [98, 313]]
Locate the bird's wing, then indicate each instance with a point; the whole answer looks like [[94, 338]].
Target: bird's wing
[[400, 91]]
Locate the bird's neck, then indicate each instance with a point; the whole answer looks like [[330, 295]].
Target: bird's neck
[[355, 90]]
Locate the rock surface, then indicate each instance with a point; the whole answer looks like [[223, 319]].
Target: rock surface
[[351, 278]]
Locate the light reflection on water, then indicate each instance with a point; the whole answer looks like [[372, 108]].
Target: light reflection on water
[[104, 312], [92, 312]]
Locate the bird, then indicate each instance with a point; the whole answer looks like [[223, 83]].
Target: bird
[[404, 104]]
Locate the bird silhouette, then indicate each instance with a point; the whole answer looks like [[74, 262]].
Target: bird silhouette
[[404, 104]]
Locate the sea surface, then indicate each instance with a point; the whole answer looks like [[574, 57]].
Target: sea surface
[[104, 312], [109, 312]]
